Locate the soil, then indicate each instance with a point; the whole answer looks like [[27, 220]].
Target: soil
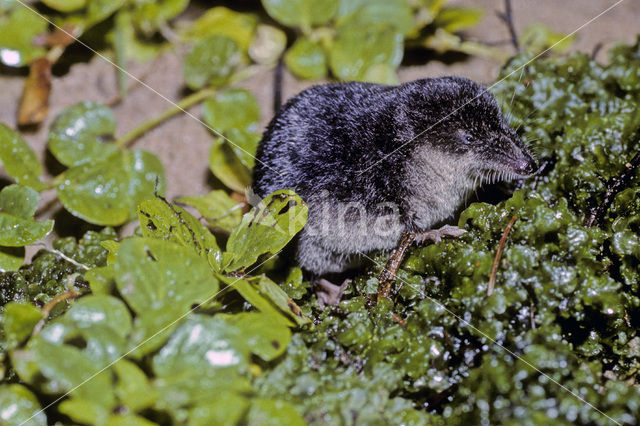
[[182, 143]]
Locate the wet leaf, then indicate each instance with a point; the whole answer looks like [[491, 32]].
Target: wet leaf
[[149, 16], [132, 387], [219, 20], [152, 274], [227, 167], [34, 104], [217, 207], [17, 227], [267, 228], [267, 337], [95, 310], [65, 5], [11, 258], [18, 322], [301, 13], [107, 192], [19, 160], [59, 368], [163, 220], [226, 410], [18, 406], [453, 19], [538, 37], [211, 62], [357, 49], [307, 59], [98, 10], [271, 412], [394, 13], [232, 109], [17, 30], [267, 44], [80, 134]]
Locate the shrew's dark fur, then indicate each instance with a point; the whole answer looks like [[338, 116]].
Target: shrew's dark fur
[[348, 149]]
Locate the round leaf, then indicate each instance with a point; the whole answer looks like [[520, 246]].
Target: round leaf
[[358, 48], [18, 321], [100, 310], [268, 44], [301, 13], [152, 274], [98, 192], [17, 228], [152, 15], [232, 109], [226, 22], [19, 160], [394, 13], [307, 59], [17, 30], [11, 258], [211, 61], [65, 5], [108, 192], [77, 134], [226, 166], [18, 406]]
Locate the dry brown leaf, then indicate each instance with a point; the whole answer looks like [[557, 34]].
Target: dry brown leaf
[[34, 104]]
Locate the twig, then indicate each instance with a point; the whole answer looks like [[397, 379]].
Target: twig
[[596, 50], [48, 307], [117, 98], [507, 18], [388, 275], [62, 255], [185, 103], [496, 260], [614, 185]]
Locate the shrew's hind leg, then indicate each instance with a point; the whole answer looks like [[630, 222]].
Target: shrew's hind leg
[[387, 277]]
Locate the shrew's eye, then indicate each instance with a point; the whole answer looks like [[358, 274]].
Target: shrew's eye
[[469, 138]]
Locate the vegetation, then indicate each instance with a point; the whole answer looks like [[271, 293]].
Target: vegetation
[[531, 316]]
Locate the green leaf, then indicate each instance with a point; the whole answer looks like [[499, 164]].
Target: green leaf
[[357, 49], [267, 45], [538, 37], [152, 274], [245, 145], [132, 388], [84, 411], [18, 406], [17, 228], [11, 258], [267, 336], [18, 322], [227, 167], [19, 160], [226, 410], [212, 61], [396, 14], [107, 192], [307, 59], [205, 355], [96, 310], [78, 133], [217, 207], [301, 13], [453, 19], [98, 10], [20, 201], [65, 6], [267, 228], [251, 293], [271, 412], [232, 109], [59, 368], [219, 20], [17, 30], [149, 16], [163, 220]]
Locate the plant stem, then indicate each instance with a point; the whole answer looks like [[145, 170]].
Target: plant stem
[[179, 107]]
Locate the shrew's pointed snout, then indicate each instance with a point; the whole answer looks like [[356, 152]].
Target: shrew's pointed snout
[[526, 164]]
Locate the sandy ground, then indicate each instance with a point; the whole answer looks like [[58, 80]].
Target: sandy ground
[[182, 143]]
